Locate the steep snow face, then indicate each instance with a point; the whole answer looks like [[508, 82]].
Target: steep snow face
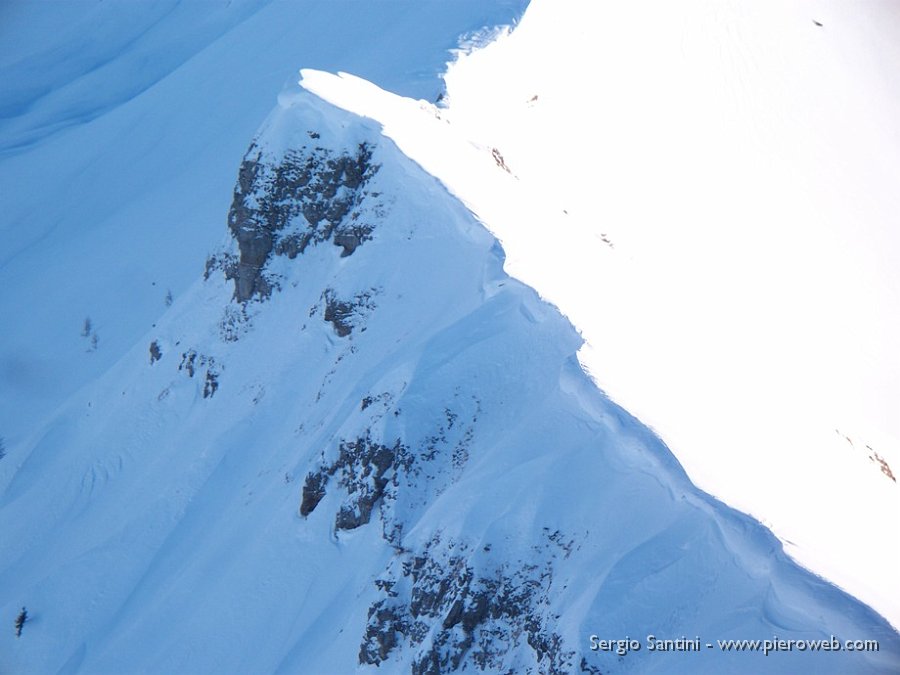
[[121, 124], [386, 455], [708, 190]]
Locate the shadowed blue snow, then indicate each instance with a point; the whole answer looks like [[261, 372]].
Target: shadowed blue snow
[[121, 128]]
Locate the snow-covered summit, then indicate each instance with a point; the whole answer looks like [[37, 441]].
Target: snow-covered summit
[[353, 443], [386, 456], [708, 190]]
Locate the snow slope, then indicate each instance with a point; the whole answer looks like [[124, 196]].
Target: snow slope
[[121, 125], [387, 456], [352, 441], [709, 191]]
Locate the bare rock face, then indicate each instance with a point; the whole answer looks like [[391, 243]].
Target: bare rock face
[[364, 469], [192, 362], [283, 204], [451, 603], [344, 315]]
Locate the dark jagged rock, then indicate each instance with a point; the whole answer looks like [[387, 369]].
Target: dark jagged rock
[[313, 492], [211, 384], [585, 667], [188, 359], [482, 612], [388, 473], [385, 623], [364, 469], [282, 205], [191, 361], [224, 262], [338, 313], [343, 314]]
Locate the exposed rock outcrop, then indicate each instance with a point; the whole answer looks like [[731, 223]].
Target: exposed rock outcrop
[[283, 204], [363, 468], [191, 362], [344, 315], [450, 603]]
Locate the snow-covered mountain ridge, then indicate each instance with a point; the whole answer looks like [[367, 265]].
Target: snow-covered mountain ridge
[[119, 190], [358, 445], [391, 484], [708, 191]]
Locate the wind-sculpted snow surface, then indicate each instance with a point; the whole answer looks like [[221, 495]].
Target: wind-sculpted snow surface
[[121, 125], [399, 463]]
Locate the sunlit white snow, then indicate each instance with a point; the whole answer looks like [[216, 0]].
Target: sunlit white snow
[[709, 191]]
